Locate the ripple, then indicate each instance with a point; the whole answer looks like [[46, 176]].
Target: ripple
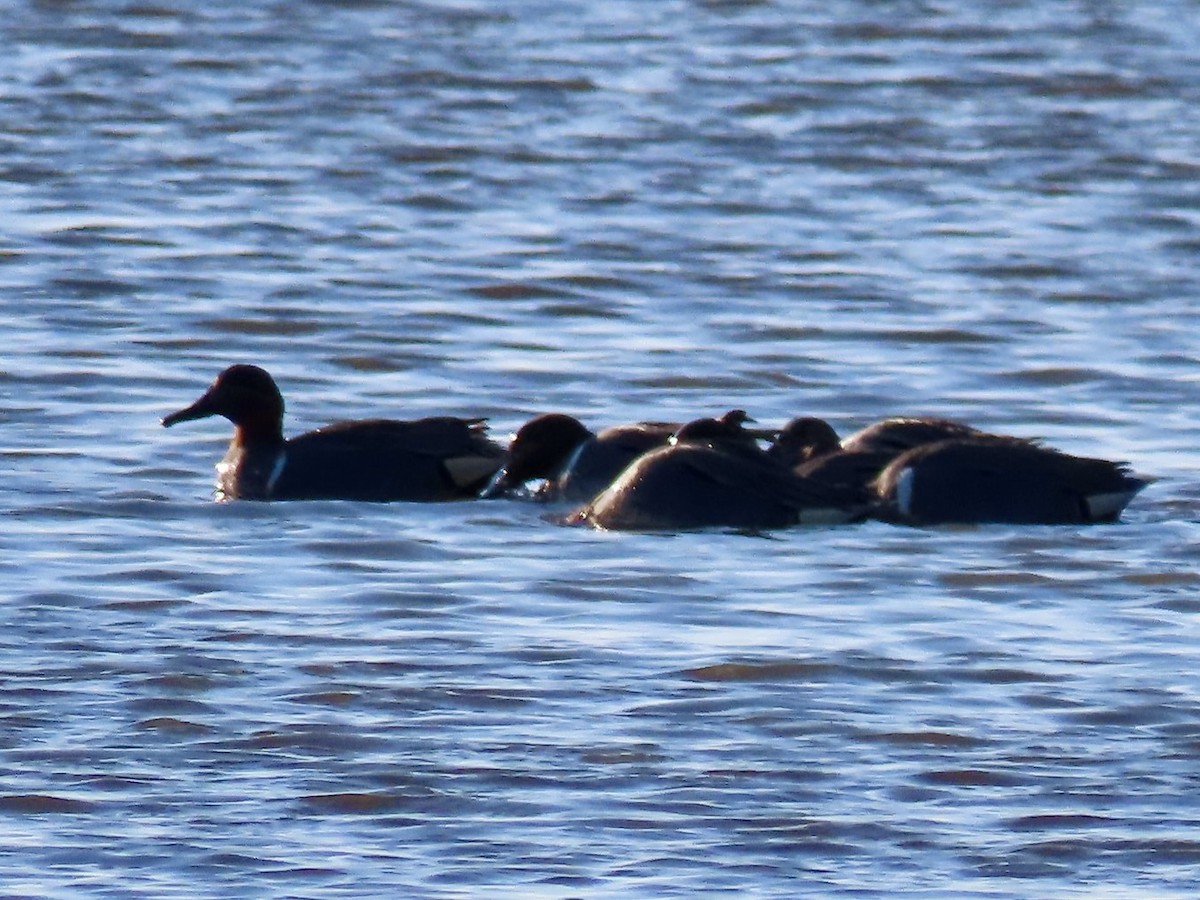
[[38, 804], [769, 671], [173, 725], [971, 778], [360, 804]]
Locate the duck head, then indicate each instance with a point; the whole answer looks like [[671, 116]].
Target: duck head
[[245, 395], [804, 438], [541, 448]]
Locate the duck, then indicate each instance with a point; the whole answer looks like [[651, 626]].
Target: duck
[[729, 432], [802, 439], [714, 475], [574, 462], [430, 459], [999, 479], [813, 449]]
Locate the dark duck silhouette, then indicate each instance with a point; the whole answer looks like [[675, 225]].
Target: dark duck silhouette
[[929, 471], [430, 459], [1002, 480], [714, 475], [575, 463], [812, 447]]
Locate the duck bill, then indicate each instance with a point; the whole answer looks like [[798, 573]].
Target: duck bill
[[201, 409], [499, 485]]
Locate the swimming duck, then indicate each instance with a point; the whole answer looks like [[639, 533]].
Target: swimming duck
[[437, 458], [1003, 480], [729, 432], [576, 463], [713, 475], [812, 447]]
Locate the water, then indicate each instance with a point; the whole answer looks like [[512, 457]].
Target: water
[[619, 210]]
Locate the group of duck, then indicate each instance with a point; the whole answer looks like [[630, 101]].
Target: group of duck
[[651, 476]]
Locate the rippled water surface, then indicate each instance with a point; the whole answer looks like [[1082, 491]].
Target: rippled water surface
[[623, 210]]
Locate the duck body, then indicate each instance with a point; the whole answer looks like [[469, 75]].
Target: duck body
[[714, 476], [850, 469], [373, 460], [977, 480], [897, 434], [599, 461], [812, 448], [430, 459]]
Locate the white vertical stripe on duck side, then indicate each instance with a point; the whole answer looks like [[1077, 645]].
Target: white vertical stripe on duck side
[[571, 460], [904, 491], [276, 471]]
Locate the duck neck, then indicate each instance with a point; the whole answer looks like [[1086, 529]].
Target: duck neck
[[259, 431]]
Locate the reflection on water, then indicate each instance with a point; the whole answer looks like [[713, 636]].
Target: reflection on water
[[622, 211]]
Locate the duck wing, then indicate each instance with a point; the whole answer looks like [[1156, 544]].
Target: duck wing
[[435, 458], [896, 435]]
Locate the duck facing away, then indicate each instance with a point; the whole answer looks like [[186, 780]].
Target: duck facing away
[[1002, 480], [575, 463], [431, 459], [714, 476]]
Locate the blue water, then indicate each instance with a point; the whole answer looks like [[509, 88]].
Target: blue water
[[622, 211]]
